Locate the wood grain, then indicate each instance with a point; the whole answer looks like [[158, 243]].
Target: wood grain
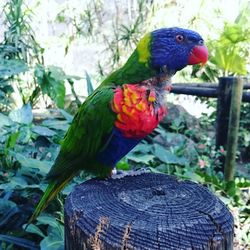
[[147, 211]]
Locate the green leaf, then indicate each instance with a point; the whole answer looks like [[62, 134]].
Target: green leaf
[[169, 158], [155, 170], [89, 84], [164, 168], [235, 33], [237, 63], [11, 141], [58, 95], [122, 165], [44, 131], [56, 124], [23, 243], [5, 120], [15, 183], [193, 176], [35, 230], [29, 163], [66, 115], [51, 81], [55, 238], [12, 67], [231, 188], [54, 241], [229, 60], [143, 148], [39, 73], [57, 73], [7, 210], [25, 134], [70, 77], [225, 200], [230, 52], [141, 158], [47, 219], [23, 115]]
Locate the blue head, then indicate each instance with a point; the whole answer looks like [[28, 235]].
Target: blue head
[[172, 49]]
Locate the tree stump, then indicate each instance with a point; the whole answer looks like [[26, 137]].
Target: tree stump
[[147, 211]]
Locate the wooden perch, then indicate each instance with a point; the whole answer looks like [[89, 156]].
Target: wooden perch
[[207, 85], [233, 128], [223, 110], [147, 211], [208, 90]]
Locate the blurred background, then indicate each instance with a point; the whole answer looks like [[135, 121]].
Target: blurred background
[[97, 36], [54, 53]]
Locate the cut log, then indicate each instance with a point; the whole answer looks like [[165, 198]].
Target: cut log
[[147, 211]]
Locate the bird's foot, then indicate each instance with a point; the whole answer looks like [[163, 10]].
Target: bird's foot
[[169, 87], [113, 172], [121, 174]]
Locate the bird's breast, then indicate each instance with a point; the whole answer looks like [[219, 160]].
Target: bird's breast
[[139, 109]]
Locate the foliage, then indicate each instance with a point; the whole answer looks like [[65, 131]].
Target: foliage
[[244, 137], [22, 63], [27, 149], [197, 163], [19, 33], [51, 81], [8, 69], [29, 144], [229, 54], [19, 49], [230, 51], [89, 22]]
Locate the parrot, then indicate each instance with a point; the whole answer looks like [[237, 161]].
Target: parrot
[[126, 107]]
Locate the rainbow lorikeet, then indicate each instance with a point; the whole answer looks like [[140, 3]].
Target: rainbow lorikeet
[[125, 108]]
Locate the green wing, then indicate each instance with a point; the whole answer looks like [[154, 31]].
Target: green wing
[[91, 126], [87, 135]]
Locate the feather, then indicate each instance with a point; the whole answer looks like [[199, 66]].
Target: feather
[[123, 109]]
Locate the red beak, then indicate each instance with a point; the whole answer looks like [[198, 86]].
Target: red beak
[[199, 54]]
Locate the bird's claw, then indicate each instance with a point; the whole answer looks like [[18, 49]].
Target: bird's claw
[[168, 87], [121, 174]]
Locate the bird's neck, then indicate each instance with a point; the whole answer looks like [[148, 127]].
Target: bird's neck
[[133, 71]]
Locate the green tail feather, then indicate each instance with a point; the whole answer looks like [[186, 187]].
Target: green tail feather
[[47, 196], [52, 190]]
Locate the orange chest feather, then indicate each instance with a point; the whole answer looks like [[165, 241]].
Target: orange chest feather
[[139, 110]]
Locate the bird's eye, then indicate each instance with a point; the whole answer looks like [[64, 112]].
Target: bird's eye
[[201, 42], [179, 38]]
